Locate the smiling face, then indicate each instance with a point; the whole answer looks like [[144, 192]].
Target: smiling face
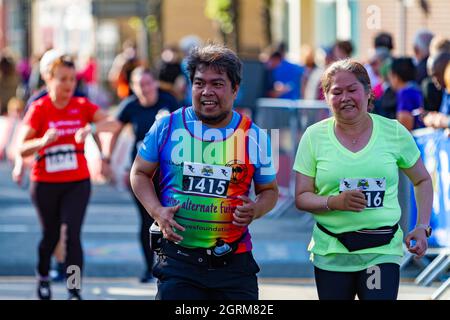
[[145, 88], [213, 96], [347, 97], [62, 82]]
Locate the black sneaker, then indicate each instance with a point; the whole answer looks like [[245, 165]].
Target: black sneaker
[[43, 290], [74, 294], [146, 277]]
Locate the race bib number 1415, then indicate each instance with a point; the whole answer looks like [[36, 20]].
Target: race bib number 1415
[[206, 179]]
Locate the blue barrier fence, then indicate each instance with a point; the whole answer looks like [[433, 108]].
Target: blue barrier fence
[[434, 147]]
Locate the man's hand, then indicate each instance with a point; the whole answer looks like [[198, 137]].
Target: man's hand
[[244, 215], [351, 200], [164, 218]]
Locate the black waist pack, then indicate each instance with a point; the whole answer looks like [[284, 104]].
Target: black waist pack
[[364, 238]]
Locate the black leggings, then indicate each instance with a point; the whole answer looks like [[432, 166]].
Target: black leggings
[[58, 203], [146, 222], [346, 285]]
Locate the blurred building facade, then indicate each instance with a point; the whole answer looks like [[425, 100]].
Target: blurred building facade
[[98, 27]]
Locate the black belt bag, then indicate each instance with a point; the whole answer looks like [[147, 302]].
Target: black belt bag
[[364, 238]]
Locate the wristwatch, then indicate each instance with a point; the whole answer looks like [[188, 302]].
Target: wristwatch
[[427, 228]]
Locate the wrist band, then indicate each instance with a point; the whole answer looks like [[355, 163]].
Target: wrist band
[[326, 204], [93, 127]]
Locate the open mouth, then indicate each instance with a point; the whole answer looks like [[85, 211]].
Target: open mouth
[[348, 107], [208, 104]]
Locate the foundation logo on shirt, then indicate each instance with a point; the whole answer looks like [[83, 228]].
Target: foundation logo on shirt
[[363, 184], [239, 171], [207, 171]]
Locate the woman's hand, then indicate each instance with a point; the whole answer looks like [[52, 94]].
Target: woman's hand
[[351, 200], [50, 136], [420, 247]]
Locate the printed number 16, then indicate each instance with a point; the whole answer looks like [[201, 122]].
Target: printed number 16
[[376, 200]]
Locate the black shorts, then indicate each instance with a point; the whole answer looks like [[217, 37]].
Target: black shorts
[[180, 280]]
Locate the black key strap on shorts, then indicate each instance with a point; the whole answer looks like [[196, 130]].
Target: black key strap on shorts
[[364, 238], [199, 256]]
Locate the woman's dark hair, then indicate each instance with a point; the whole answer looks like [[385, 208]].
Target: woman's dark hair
[[352, 66], [404, 68], [218, 57]]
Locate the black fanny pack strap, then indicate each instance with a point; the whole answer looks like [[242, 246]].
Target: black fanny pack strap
[[325, 230], [39, 157], [336, 235]]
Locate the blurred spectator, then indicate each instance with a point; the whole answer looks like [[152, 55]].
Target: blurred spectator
[[421, 47], [9, 80], [24, 70], [377, 61], [386, 105], [433, 95], [383, 40], [342, 49], [323, 58], [186, 44], [286, 77], [409, 97], [307, 59], [441, 119], [439, 44], [88, 73], [170, 74], [122, 66], [437, 65]]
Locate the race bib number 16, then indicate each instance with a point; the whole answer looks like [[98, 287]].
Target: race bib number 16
[[373, 189], [206, 179]]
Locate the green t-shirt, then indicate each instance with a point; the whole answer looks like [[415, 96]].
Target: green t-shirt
[[321, 156]]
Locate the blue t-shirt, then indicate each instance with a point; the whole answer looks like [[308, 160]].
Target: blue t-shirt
[[409, 99], [142, 118], [258, 140], [289, 74], [445, 105]]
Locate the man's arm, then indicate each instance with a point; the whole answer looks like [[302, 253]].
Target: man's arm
[[266, 198], [141, 175]]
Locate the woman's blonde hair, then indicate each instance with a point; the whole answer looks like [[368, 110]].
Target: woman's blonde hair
[[354, 67], [64, 60]]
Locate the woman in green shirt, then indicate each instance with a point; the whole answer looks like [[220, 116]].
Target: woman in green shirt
[[347, 177]]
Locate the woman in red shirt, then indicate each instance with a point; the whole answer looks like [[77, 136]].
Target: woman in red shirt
[[54, 130]]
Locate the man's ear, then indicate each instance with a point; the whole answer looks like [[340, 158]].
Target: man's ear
[[236, 89]]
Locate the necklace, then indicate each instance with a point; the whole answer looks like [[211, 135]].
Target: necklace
[[354, 141]]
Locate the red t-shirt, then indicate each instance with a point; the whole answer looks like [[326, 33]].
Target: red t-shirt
[[63, 160]]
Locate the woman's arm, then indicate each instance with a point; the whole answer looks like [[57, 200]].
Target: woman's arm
[[29, 145], [306, 199], [423, 191]]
